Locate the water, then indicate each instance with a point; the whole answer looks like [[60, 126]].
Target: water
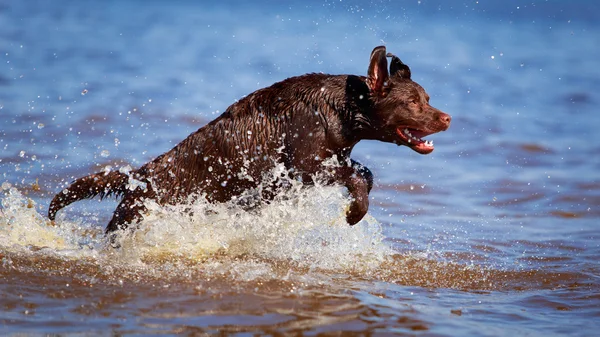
[[495, 233]]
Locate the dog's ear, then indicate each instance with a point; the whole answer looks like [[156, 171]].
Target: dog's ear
[[398, 68], [378, 73]]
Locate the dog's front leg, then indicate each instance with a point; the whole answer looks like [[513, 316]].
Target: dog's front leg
[[359, 180]]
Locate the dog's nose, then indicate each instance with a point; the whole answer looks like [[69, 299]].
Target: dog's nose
[[445, 118]]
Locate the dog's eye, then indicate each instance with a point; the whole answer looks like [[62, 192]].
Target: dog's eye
[[412, 101]]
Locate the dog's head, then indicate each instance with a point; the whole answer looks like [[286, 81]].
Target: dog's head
[[401, 112]]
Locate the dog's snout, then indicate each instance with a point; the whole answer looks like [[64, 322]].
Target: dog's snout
[[445, 119]]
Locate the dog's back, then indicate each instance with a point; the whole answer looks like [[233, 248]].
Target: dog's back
[[292, 122]]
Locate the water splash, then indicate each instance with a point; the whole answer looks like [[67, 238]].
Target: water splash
[[304, 228], [308, 229], [22, 227]]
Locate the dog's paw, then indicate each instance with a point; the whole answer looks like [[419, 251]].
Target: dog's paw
[[357, 211]]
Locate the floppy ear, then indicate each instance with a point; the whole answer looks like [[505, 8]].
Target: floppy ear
[[378, 73], [398, 68]]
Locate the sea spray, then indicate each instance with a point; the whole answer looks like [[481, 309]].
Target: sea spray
[[303, 228], [23, 228]]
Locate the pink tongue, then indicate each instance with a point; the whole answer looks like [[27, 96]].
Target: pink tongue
[[418, 144], [423, 148]]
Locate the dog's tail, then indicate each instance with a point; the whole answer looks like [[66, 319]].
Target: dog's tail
[[102, 184]]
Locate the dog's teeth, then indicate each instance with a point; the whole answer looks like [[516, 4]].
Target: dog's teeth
[[409, 140]]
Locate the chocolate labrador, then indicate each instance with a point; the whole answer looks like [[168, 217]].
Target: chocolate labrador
[[300, 122]]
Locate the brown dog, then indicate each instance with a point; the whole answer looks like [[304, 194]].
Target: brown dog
[[299, 122]]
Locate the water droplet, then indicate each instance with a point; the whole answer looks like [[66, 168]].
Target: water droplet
[[104, 153], [41, 126], [83, 92]]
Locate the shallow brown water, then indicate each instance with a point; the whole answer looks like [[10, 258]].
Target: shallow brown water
[[45, 294]]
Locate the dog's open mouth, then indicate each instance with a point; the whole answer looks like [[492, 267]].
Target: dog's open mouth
[[413, 139]]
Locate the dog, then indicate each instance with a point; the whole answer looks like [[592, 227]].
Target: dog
[[300, 122]]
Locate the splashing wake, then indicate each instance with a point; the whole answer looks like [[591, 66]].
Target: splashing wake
[[302, 227]]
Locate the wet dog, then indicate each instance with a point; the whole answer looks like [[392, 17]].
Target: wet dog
[[301, 122]]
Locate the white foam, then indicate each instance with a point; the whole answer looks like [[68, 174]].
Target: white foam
[[22, 227]]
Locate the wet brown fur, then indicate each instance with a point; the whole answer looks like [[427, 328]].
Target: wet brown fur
[[300, 122]]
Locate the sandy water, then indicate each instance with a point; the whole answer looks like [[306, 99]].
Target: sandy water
[[495, 233]]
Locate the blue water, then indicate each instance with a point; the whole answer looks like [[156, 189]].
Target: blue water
[[494, 233]]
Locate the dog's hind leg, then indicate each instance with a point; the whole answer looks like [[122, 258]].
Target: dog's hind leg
[[129, 210]]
